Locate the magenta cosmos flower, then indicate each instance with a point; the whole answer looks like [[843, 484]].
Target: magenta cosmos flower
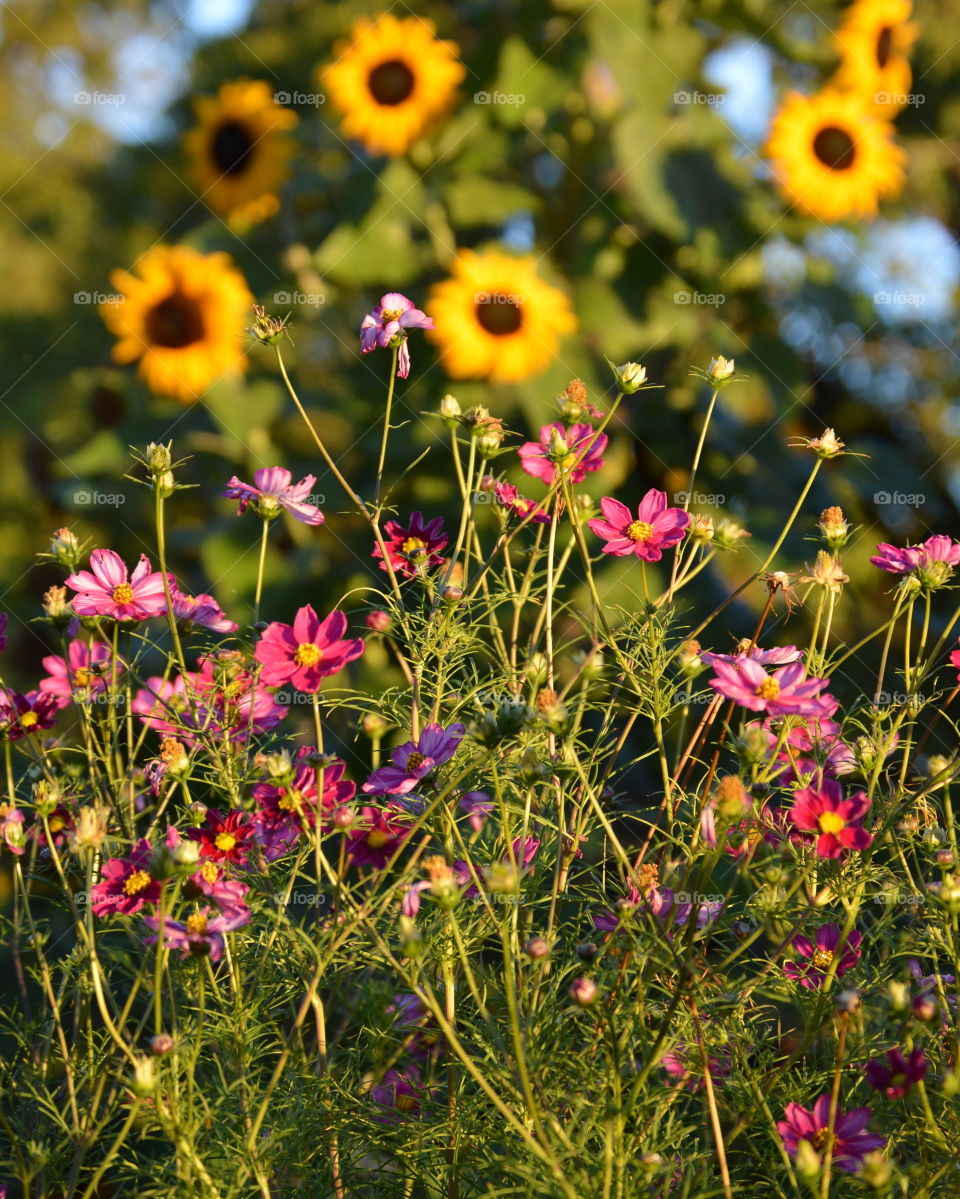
[[23, 714], [107, 589], [510, 497], [777, 655], [834, 821], [933, 560], [786, 692], [127, 883], [224, 838], [200, 934], [274, 490], [387, 325], [308, 651], [415, 547], [202, 611], [376, 836], [851, 1141], [576, 451], [85, 671], [818, 956], [414, 760], [897, 1074], [655, 528]]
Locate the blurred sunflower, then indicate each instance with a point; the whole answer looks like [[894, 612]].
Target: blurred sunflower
[[240, 149], [182, 315], [832, 157], [495, 319], [874, 41], [392, 79]]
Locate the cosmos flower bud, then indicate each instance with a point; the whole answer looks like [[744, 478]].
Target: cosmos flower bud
[[89, 830], [344, 817], [729, 534], [807, 1160], [56, 607], [411, 939], [536, 948], [158, 458], [379, 621], [160, 1044], [557, 450], [834, 527], [374, 725], [630, 377], [267, 330], [187, 856], [876, 1171], [583, 992], [65, 548], [701, 528], [587, 951], [144, 1077], [688, 658], [452, 595], [721, 369], [450, 409]]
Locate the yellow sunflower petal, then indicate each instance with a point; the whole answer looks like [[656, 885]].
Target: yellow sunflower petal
[[874, 42]]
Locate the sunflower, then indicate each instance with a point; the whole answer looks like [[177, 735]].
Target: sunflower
[[240, 150], [494, 319], [874, 41], [392, 79], [182, 315], [832, 157]]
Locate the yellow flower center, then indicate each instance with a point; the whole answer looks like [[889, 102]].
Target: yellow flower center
[[640, 531], [820, 1138], [290, 801], [831, 822], [196, 925], [822, 959], [768, 689], [122, 593], [82, 677], [389, 314], [406, 1103], [29, 719], [377, 838], [307, 654], [209, 872], [225, 842], [56, 823], [413, 547], [137, 882], [415, 761]]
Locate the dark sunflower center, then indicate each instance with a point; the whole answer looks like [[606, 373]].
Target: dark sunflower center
[[391, 82], [231, 147], [835, 148], [174, 323], [884, 46], [499, 314]]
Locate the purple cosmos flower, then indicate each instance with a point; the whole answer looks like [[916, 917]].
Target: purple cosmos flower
[[478, 805], [835, 821], [576, 451], [414, 760], [273, 490], [933, 560], [387, 325], [83, 673], [398, 1094], [4, 618], [127, 883], [851, 1141], [200, 934], [820, 954], [897, 1074], [786, 692], [201, 610], [656, 527]]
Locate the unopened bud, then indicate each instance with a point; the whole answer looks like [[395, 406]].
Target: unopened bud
[[583, 991], [536, 948]]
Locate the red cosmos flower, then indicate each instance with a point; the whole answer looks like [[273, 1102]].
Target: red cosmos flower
[[413, 548], [377, 836], [127, 883], [224, 838], [835, 821], [23, 714], [308, 651], [654, 529]]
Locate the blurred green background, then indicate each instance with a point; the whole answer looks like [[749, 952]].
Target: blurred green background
[[630, 165]]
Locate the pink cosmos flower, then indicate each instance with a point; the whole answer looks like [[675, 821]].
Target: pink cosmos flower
[[577, 451], [106, 589], [656, 527], [685, 1066], [308, 651], [201, 934], [127, 883], [777, 655], [933, 560], [29, 713], [387, 325], [786, 692], [835, 821], [273, 490], [819, 955], [895, 1076], [224, 838], [376, 836], [415, 760], [201, 610], [286, 810], [413, 548], [813, 748], [84, 672], [955, 661], [510, 497], [12, 830], [851, 1141]]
